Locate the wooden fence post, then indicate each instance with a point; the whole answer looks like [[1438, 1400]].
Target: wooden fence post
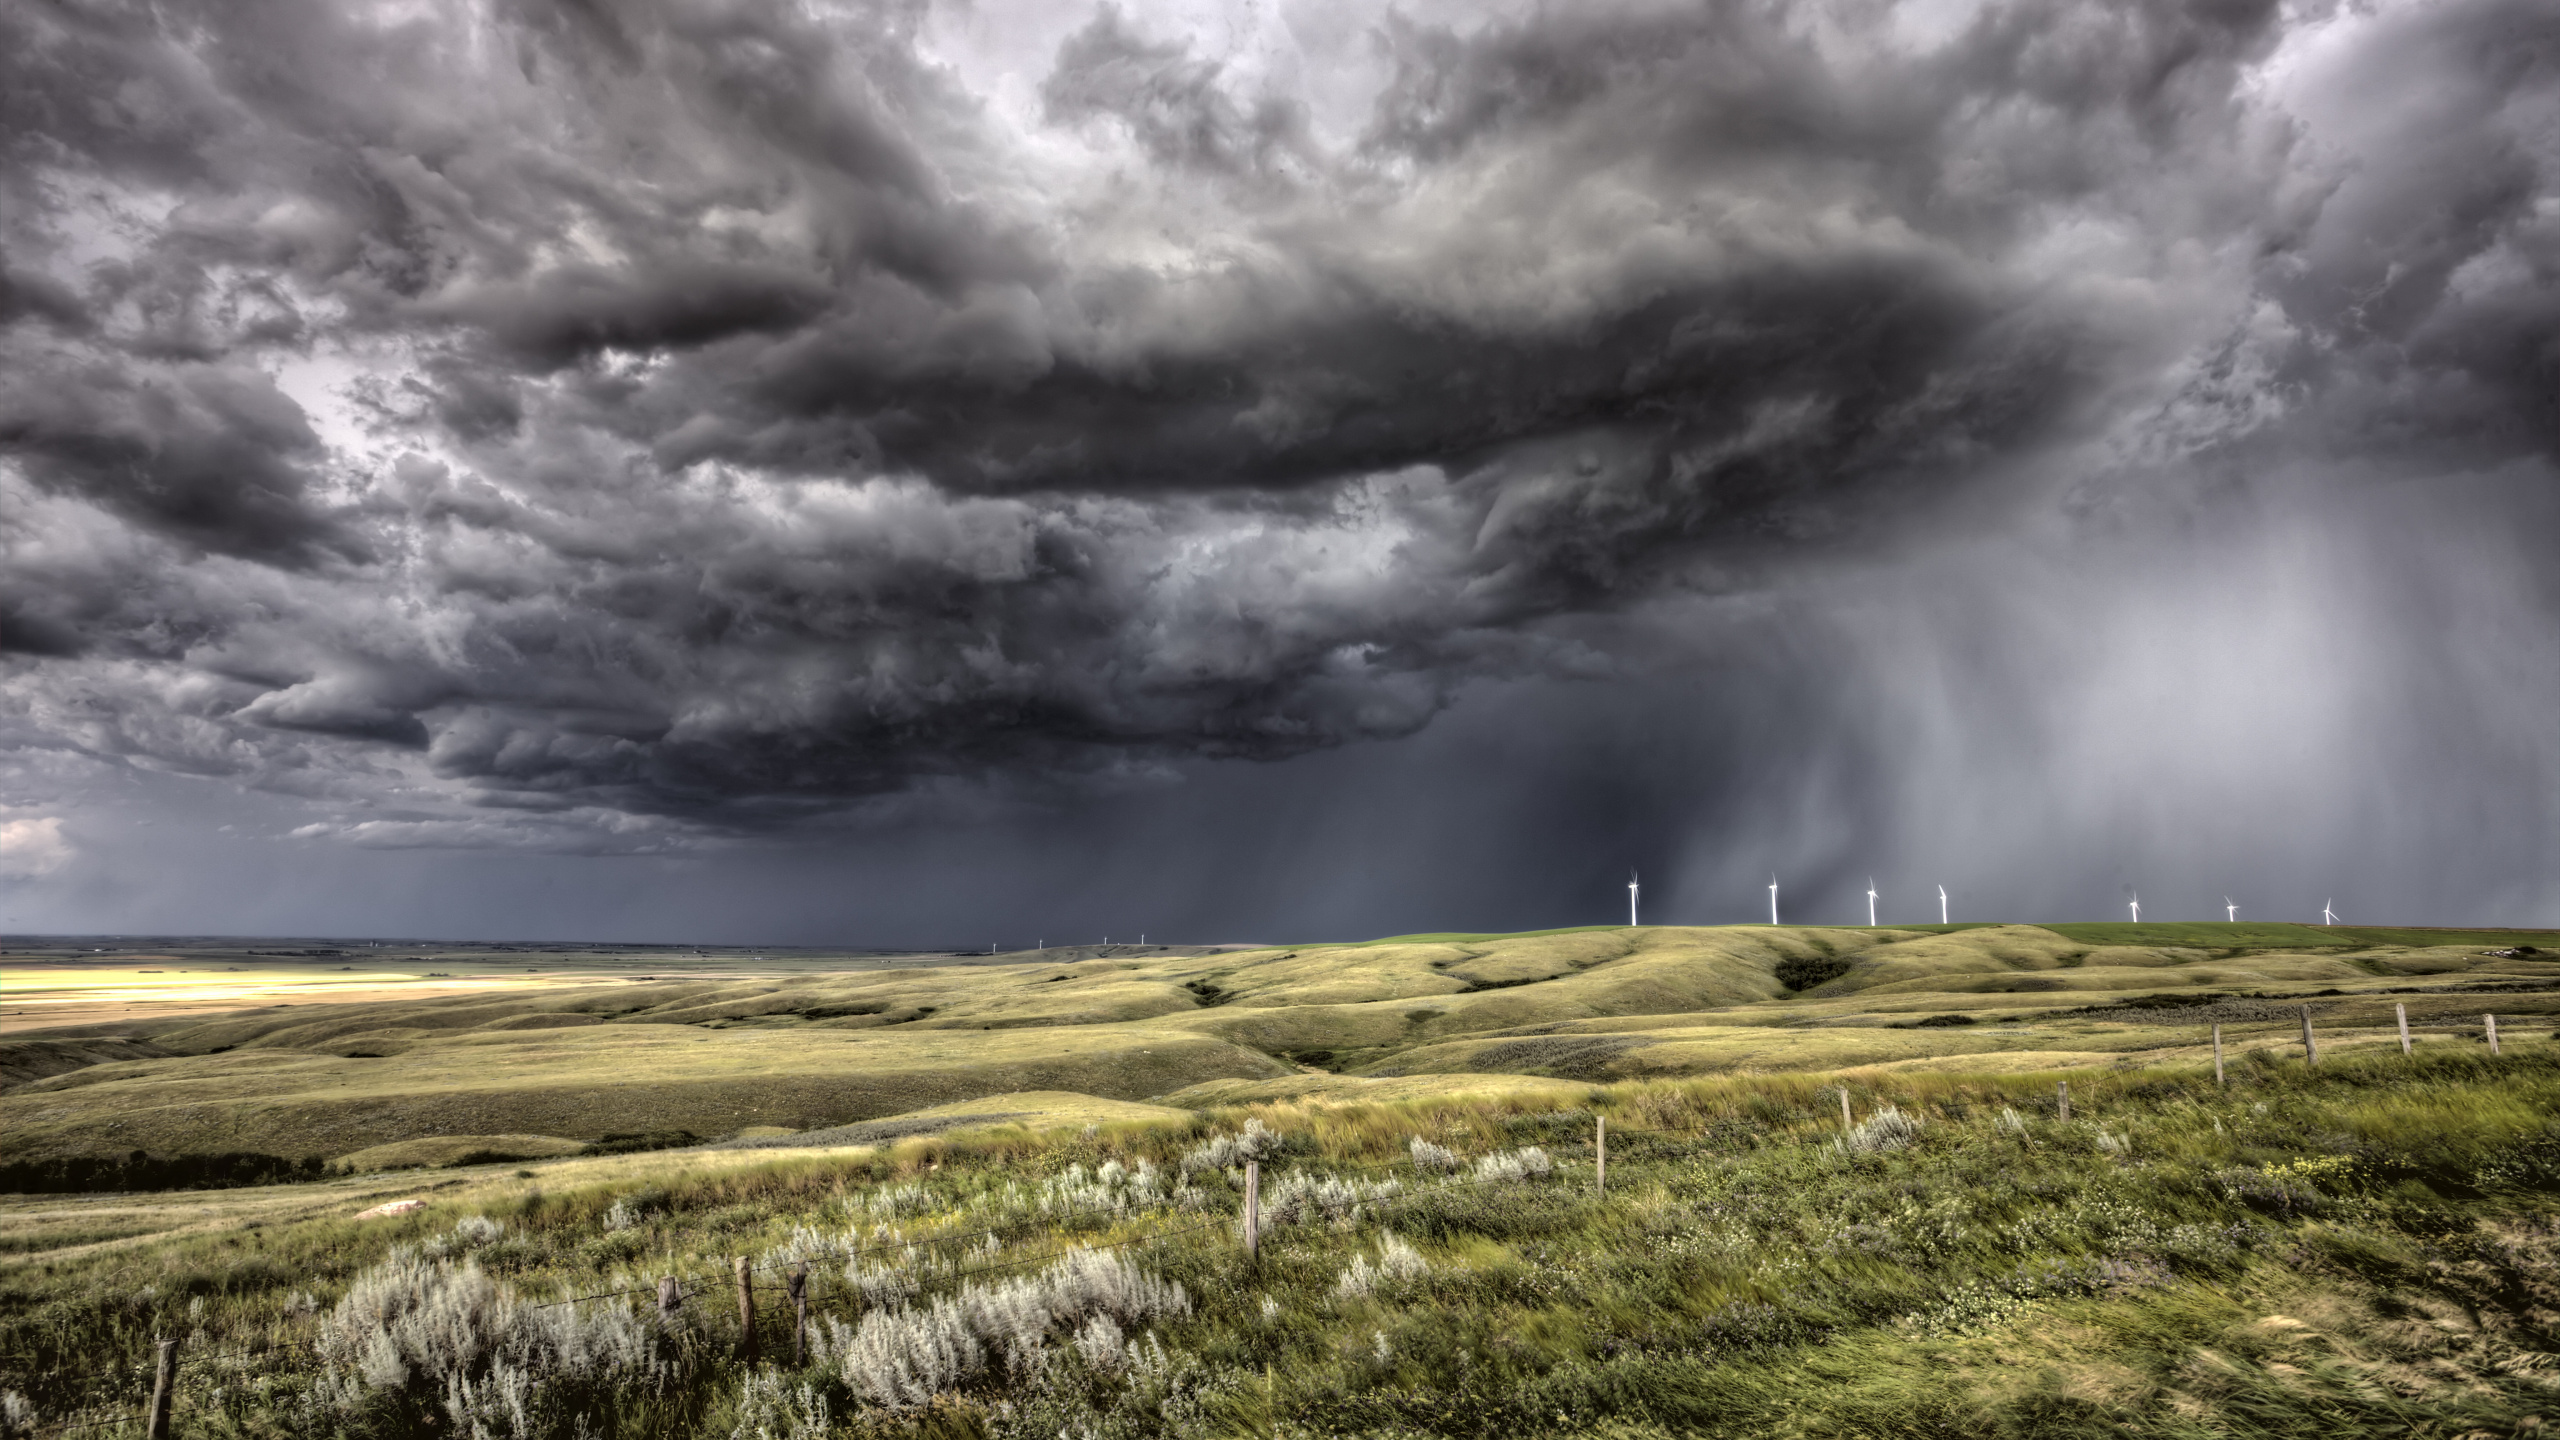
[[2310, 1046], [2491, 1021], [799, 1283], [2217, 1054], [1845, 1122], [164, 1387], [746, 1312], [1600, 1169], [2401, 1009], [1253, 1211], [669, 1298], [2062, 1098]]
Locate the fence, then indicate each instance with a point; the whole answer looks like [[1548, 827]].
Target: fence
[[672, 1291]]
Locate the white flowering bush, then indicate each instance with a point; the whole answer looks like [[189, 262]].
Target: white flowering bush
[[1301, 1198], [1113, 1186], [1887, 1129], [1529, 1163], [1427, 1156], [1256, 1141], [906, 1356], [439, 1328], [1396, 1261], [770, 1407]]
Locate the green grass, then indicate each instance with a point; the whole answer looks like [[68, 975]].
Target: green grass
[[714, 1056], [2264, 935], [2364, 1248]]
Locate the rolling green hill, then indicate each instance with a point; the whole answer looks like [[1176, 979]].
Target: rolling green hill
[[713, 1056]]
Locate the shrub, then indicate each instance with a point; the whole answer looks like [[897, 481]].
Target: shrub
[[1530, 1163], [1427, 1156], [906, 1356], [1396, 1261], [633, 1144], [140, 1170], [1256, 1142], [891, 1201], [1100, 1343], [1803, 972], [418, 1324], [772, 1408], [1301, 1197], [1114, 1187], [1887, 1129]]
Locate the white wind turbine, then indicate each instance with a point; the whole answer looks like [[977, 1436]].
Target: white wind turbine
[[1871, 902], [1942, 906], [2230, 911], [2327, 915], [1773, 899], [2136, 902], [1631, 899]]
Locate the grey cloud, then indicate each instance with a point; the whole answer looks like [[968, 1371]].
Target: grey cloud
[[735, 424], [212, 455]]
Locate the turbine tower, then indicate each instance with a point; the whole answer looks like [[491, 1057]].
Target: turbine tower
[[2327, 915], [1773, 899], [1942, 906], [2230, 911], [2136, 902], [1871, 902], [1631, 899]]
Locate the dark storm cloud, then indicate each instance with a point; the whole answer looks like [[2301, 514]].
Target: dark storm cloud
[[520, 423]]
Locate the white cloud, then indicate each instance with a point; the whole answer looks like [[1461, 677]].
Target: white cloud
[[33, 847]]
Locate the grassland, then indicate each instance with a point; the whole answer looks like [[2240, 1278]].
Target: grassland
[[2371, 1247], [613, 1049]]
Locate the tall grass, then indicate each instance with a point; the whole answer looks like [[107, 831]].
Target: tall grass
[[2369, 1247]]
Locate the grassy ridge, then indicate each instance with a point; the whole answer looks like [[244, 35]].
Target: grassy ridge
[[2364, 1248], [712, 1056]]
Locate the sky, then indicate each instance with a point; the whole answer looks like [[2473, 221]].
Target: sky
[[984, 472]]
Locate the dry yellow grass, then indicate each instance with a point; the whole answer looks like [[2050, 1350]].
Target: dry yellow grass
[[722, 1054]]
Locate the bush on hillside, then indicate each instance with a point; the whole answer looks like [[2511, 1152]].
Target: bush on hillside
[[1803, 972], [140, 1170]]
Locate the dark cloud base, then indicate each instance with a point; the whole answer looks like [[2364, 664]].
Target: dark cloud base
[[732, 423]]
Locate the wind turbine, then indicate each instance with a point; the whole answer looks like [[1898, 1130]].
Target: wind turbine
[[2230, 911], [1871, 902], [2327, 915], [1773, 899], [1631, 899], [2136, 902], [1942, 906]]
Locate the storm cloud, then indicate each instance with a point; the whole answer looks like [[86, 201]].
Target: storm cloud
[[666, 423]]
